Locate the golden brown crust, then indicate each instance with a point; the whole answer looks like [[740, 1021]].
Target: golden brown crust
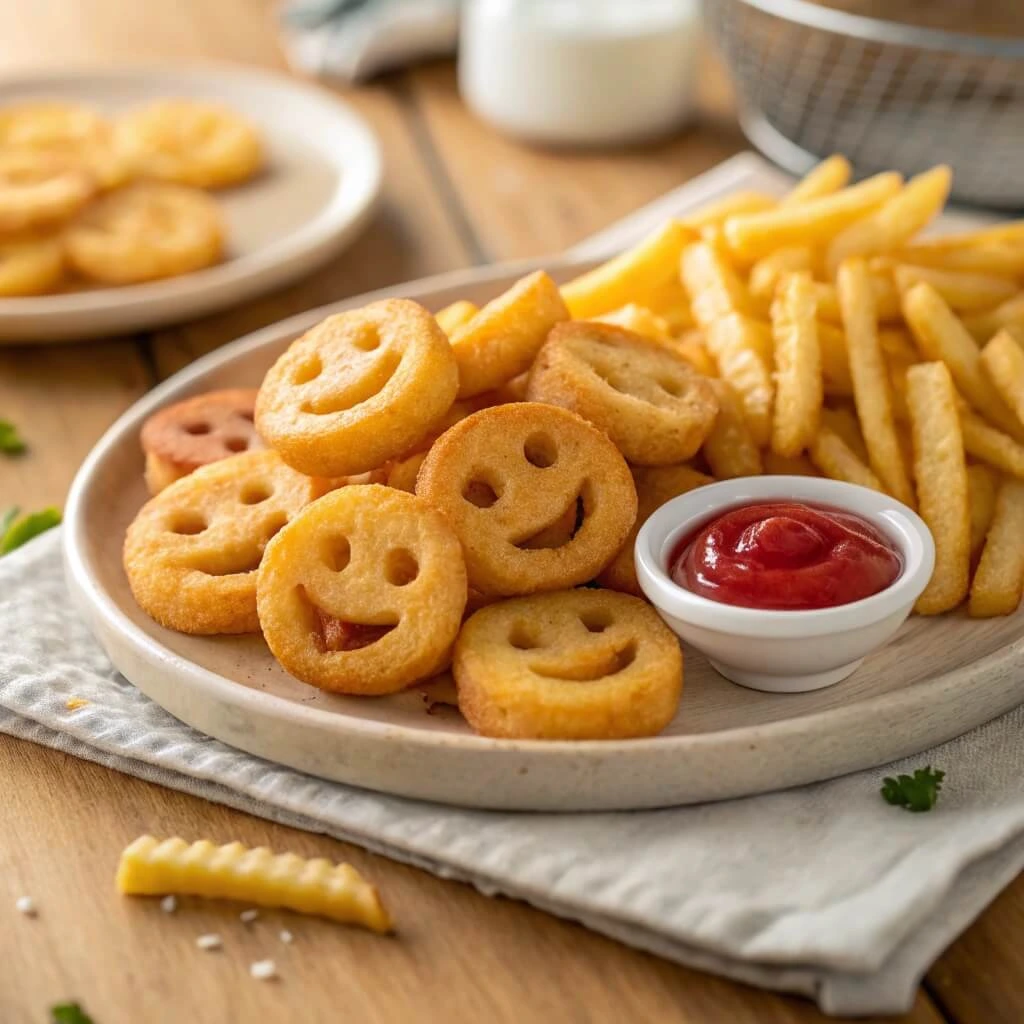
[[363, 593], [650, 401], [192, 552], [506, 475], [359, 389], [573, 664]]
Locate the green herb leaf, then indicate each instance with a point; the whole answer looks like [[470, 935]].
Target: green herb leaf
[[23, 530], [10, 440], [7, 517], [917, 792], [69, 1013]]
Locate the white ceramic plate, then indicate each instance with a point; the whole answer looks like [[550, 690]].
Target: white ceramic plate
[[937, 679], [321, 182]]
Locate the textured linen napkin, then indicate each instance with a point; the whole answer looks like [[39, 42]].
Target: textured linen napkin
[[824, 890], [355, 39]]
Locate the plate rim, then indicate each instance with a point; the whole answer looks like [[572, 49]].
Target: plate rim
[[351, 204], [248, 699]]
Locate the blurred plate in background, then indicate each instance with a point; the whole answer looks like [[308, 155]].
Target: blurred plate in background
[[322, 179]]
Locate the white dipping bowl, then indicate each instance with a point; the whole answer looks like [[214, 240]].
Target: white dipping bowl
[[783, 651]]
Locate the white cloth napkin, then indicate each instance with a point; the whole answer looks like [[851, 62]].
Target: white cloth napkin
[[825, 890], [355, 39]]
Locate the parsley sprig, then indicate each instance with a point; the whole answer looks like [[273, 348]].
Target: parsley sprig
[[69, 1013], [917, 792], [11, 442], [14, 531]]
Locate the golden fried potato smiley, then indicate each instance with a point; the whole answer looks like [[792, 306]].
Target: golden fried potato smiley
[[646, 398], [509, 475], [359, 389], [37, 189], [570, 665], [187, 142], [197, 431], [363, 593], [500, 341], [192, 552]]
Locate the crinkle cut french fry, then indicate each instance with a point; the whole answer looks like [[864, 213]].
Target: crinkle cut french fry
[[1009, 232], [452, 317], [810, 223], [895, 222], [886, 299], [940, 471], [963, 292], [982, 484], [799, 393], [151, 867], [828, 177], [780, 465], [1003, 361], [734, 342], [729, 206], [1009, 315], [871, 380], [992, 446], [766, 272], [714, 286], [998, 580], [638, 319], [729, 448], [629, 277], [692, 348], [843, 421], [835, 363], [830, 453], [941, 336], [897, 344], [999, 258]]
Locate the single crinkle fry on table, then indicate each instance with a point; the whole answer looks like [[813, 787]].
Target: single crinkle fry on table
[[88, 201], [435, 487]]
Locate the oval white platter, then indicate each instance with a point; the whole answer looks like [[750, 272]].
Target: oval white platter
[[319, 187], [938, 678]]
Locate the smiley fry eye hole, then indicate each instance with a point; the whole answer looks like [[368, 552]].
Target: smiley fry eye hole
[[401, 567], [596, 621], [236, 444], [197, 429], [367, 339], [254, 493], [187, 524], [309, 370], [480, 493], [275, 526], [247, 416], [540, 451], [522, 638], [671, 387], [337, 553]]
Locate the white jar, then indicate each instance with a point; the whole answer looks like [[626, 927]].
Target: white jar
[[583, 72]]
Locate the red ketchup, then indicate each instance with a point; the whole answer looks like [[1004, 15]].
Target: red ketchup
[[785, 556]]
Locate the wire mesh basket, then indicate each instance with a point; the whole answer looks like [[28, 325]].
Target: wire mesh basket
[[812, 81]]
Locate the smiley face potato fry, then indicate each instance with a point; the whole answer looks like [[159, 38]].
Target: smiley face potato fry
[[192, 552], [363, 593], [650, 401], [182, 437], [506, 475], [358, 389], [574, 664]]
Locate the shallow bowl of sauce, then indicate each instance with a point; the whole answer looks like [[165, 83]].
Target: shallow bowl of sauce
[[785, 583]]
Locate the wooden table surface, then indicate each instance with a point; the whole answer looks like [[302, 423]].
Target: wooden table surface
[[455, 194]]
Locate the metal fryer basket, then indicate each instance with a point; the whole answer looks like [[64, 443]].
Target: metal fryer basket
[[812, 81]]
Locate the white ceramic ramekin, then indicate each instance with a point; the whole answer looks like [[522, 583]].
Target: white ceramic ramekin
[[783, 651]]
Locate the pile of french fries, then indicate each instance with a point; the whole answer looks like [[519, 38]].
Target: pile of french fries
[[846, 346]]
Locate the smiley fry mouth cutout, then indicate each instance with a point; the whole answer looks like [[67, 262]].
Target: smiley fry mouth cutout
[[613, 663], [558, 532], [371, 385], [335, 636], [229, 565]]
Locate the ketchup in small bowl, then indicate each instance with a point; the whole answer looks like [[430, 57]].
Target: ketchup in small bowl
[[786, 556]]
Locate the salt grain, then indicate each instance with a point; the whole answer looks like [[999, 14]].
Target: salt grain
[[263, 970], [209, 941], [26, 905], [248, 916]]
